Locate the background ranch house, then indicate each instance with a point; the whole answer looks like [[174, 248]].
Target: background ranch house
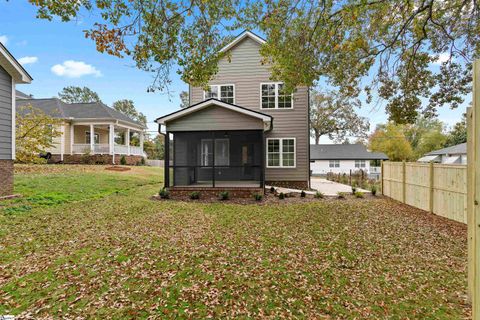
[[243, 132], [341, 158], [451, 155], [90, 129], [11, 73]]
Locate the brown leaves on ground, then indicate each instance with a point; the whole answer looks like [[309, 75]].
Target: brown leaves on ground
[[126, 256]]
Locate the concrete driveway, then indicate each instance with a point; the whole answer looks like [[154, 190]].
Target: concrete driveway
[[330, 188]]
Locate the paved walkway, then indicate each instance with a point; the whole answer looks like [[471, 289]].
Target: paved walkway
[[330, 188]]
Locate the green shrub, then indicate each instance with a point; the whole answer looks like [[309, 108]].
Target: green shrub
[[142, 161], [123, 160], [354, 189], [341, 195], [373, 189], [272, 189], [195, 195], [258, 197], [164, 194], [224, 195], [303, 194], [281, 196], [319, 195], [358, 194]]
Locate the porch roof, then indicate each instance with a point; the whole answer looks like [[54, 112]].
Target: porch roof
[[265, 118]]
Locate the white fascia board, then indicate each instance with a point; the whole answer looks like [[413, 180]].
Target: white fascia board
[[240, 38], [13, 67]]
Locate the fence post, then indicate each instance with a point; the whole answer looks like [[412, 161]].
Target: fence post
[[404, 182], [381, 176], [431, 187]]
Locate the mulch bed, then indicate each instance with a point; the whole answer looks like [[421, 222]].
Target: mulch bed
[[120, 169]]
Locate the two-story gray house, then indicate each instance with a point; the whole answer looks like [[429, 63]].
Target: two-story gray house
[[243, 132], [11, 72]]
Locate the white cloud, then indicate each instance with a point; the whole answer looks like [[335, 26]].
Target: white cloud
[[27, 60], [443, 57], [75, 69], [4, 40]]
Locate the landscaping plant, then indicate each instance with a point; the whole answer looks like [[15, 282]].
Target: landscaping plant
[[258, 197], [224, 195], [341, 195], [272, 189], [195, 195], [281, 196], [164, 194], [354, 189], [319, 195], [123, 160], [303, 194], [373, 189], [359, 194]]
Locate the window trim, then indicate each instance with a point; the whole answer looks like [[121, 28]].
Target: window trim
[[220, 90], [335, 161], [87, 136], [360, 163], [281, 166], [276, 97]]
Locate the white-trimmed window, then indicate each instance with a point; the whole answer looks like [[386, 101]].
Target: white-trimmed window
[[224, 92], [273, 96], [281, 152], [360, 164], [222, 152], [334, 164], [96, 138]]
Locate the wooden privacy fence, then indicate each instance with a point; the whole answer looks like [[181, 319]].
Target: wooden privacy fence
[[438, 188]]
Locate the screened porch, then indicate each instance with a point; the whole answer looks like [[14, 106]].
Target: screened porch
[[231, 158]]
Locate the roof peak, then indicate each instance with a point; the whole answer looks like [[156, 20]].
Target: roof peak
[[240, 37]]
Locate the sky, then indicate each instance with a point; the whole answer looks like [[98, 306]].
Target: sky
[[57, 54]]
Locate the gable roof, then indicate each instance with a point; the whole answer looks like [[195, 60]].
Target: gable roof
[[267, 119], [457, 149], [78, 111], [240, 37], [13, 67], [343, 152], [22, 95]]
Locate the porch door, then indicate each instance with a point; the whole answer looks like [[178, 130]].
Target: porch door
[[247, 161]]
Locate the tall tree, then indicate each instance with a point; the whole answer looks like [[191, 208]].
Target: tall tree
[[155, 147], [34, 133], [74, 94], [357, 46], [391, 140], [127, 107], [184, 99], [458, 134], [333, 115], [425, 135]]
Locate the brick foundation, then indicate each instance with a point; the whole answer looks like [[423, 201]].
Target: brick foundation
[[6, 178], [214, 192], [94, 159], [301, 185]]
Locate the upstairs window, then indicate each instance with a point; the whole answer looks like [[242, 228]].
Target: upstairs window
[[224, 92], [273, 96]]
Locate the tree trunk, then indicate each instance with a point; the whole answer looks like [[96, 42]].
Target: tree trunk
[[317, 136]]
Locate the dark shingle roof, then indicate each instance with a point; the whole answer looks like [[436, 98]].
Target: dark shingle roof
[[457, 149], [343, 152], [59, 109], [21, 95]]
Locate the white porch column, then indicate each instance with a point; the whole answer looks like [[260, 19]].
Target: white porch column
[[72, 137], [62, 141], [92, 139], [111, 138], [142, 138], [127, 140]]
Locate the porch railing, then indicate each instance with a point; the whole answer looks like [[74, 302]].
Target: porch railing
[[101, 148], [105, 149], [81, 148], [136, 150]]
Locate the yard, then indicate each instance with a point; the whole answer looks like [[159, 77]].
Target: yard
[[87, 243]]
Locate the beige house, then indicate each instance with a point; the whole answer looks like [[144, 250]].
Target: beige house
[[245, 131], [90, 128]]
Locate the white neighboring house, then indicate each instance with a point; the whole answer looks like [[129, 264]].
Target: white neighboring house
[[451, 155], [341, 158]]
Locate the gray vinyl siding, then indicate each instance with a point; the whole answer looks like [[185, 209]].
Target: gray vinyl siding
[[246, 72], [5, 115], [215, 118]]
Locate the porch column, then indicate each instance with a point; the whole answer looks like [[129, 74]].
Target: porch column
[[167, 160], [111, 138], [142, 138], [127, 140], [92, 139], [62, 142], [72, 137]]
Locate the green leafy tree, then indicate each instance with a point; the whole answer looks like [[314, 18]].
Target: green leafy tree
[[155, 148], [432, 140], [127, 107], [425, 135], [458, 134], [34, 133], [74, 94], [184, 99], [391, 140], [358, 46], [333, 115]]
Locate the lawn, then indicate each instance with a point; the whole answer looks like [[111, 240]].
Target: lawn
[[99, 247]]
